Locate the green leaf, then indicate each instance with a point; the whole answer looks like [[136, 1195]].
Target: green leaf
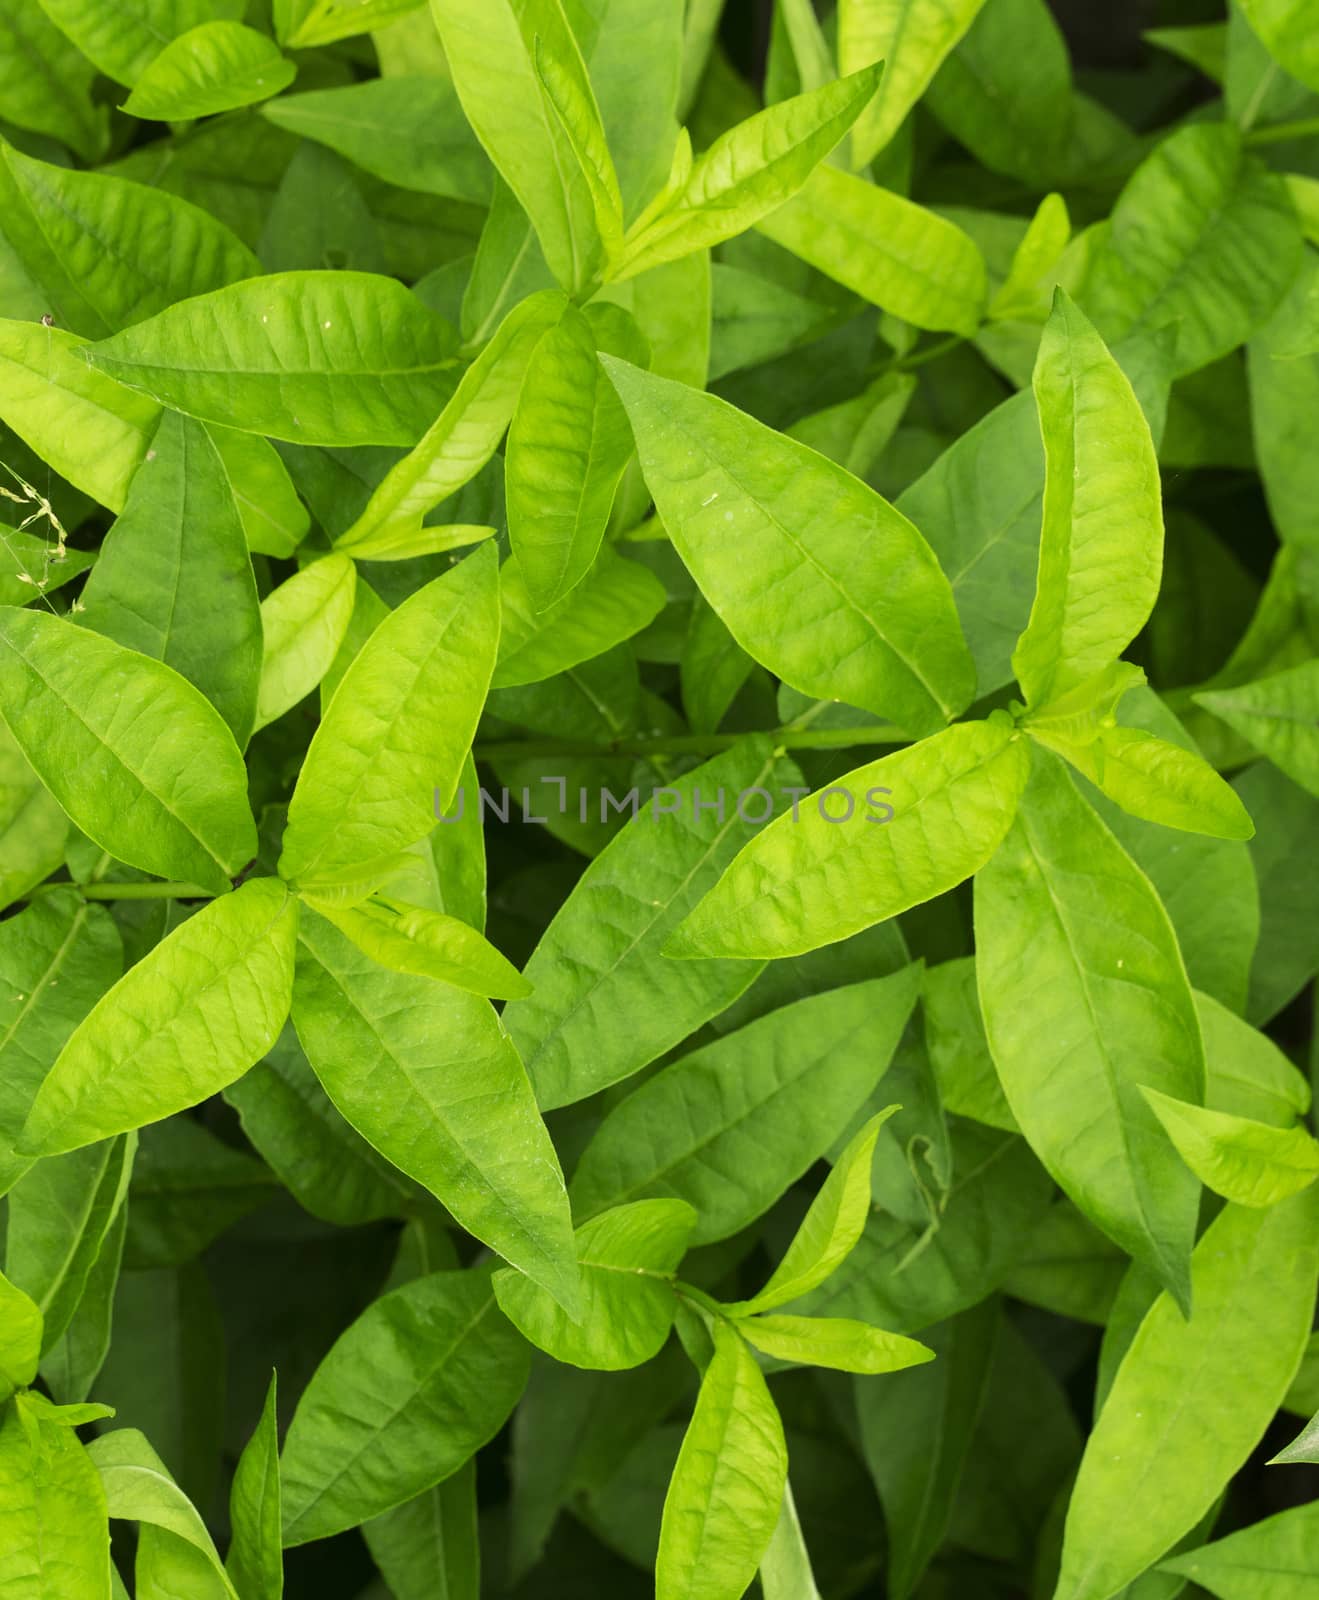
[[836, 1342], [1246, 1162], [614, 601], [1287, 28], [429, 944], [60, 1216], [567, 447], [1248, 1075], [1203, 236], [747, 173], [56, 1542], [178, 544], [1262, 1561], [20, 1339], [303, 623], [304, 23], [218, 66], [729, 1126], [423, 1378], [1282, 391], [1101, 547], [33, 826], [1229, 1363], [1279, 715], [910, 262], [954, 797], [463, 437], [778, 563], [187, 1020], [830, 1229], [491, 47], [627, 1259], [255, 1561], [328, 358], [139, 760], [45, 82], [408, 131], [911, 38], [87, 427], [391, 744], [122, 36], [428, 1548], [785, 1570], [1033, 262], [426, 1073], [723, 1502], [139, 1488], [1151, 778], [81, 241], [606, 1001], [1084, 1006]]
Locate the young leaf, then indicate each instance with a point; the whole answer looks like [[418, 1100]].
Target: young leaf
[[829, 1230], [1154, 779], [121, 39], [723, 1501], [255, 1561], [187, 1020], [836, 1342], [1033, 262], [627, 1259], [954, 798], [911, 38], [567, 446], [462, 438], [139, 760], [606, 1001], [1246, 1162], [731, 1125], [393, 739], [907, 260], [1101, 547], [779, 562], [423, 1378], [1280, 716], [81, 240], [305, 23], [217, 66], [748, 173], [328, 358], [20, 1339], [56, 1540], [426, 1073], [785, 1569], [1287, 28], [492, 48], [178, 544], [1229, 1363], [430, 944], [303, 624], [1082, 1007]]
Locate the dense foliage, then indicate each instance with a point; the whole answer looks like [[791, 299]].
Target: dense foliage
[[659, 770]]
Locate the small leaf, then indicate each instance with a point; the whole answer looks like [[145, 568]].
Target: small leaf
[[20, 1339], [303, 624], [218, 66], [139, 760], [1279, 715], [56, 1541], [1257, 1561], [1246, 1162], [627, 1259], [430, 944], [187, 1020], [837, 1342], [723, 1501], [255, 1561]]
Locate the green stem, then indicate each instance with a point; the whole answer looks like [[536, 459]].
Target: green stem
[[687, 744], [128, 891], [932, 352], [1277, 132]]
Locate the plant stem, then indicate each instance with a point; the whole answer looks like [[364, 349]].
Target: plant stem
[[128, 891], [687, 744], [1303, 128]]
